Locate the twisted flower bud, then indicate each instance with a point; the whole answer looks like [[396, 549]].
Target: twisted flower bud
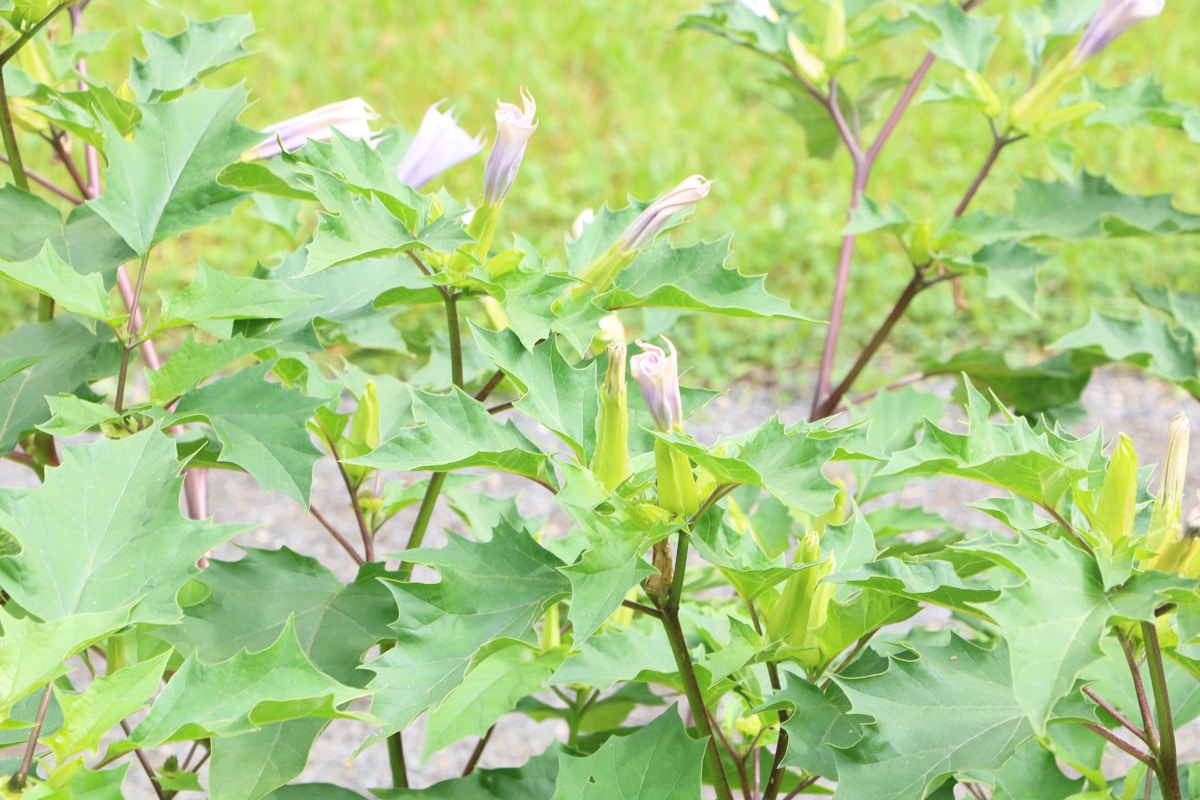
[[803, 605], [1114, 18], [657, 374], [351, 118], [514, 126], [654, 220], [438, 145]]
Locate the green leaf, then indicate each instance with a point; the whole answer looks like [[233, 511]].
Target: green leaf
[[242, 694], [1036, 463], [192, 363], [1011, 270], [1031, 772], [934, 582], [1048, 387], [314, 791], [164, 182], [454, 431], [532, 781], [967, 41], [506, 671], [1084, 207], [361, 222], [870, 216], [787, 462], [106, 701], [740, 25], [968, 689], [488, 591], [250, 603], [1145, 342], [611, 565], [84, 784], [1140, 102], [527, 299], [179, 62], [50, 275], [253, 765], [820, 723], [564, 399], [694, 278], [253, 599], [85, 241], [121, 542], [262, 428], [72, 416], [265, 178], [47, 358], [619, 655], [33, 652], [634, 767], [214, 295], [1054, 620]]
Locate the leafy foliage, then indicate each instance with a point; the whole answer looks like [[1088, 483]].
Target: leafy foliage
[[742, 615]]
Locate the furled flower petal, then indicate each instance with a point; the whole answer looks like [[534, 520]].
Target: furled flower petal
[[657, 374], [439, 144], [761, 8], [514, 126], [1114, 18], [350, 117], [651, 222]]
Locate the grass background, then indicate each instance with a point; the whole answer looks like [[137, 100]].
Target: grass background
[[629, 105]]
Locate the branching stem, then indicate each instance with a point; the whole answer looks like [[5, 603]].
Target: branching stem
[[687, 672]]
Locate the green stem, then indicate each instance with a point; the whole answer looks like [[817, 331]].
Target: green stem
[[687, 672], [1168, 766], [17, 782], [424, 514], [456, 365], [16, 46], [396, 761]]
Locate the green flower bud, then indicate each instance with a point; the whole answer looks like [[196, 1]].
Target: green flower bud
[[803, 606], [835, 31], [611, 462], [1032, 107], [1118, 496], [1168, 503], [677, 491], [919, 247], [984, 93]]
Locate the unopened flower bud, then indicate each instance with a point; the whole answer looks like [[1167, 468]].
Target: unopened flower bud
[[657, 374], [611, 462], [835, 31], [514, 126], [1118, 496], [1114, 18], [351, 118], [438, 145], [803, 605], [654, 220], [1168, 503]]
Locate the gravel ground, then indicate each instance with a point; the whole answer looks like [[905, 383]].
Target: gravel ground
[[1117, 400]]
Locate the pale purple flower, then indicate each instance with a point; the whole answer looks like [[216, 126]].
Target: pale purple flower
[[349, 117], [657, 374], [438, 146], [514, 126], [581, 221], [1114, 18], [651, 222]]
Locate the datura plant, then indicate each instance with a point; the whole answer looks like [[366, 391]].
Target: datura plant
[[730, 618]]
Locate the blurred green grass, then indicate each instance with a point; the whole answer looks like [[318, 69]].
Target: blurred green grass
[[629, 105]]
